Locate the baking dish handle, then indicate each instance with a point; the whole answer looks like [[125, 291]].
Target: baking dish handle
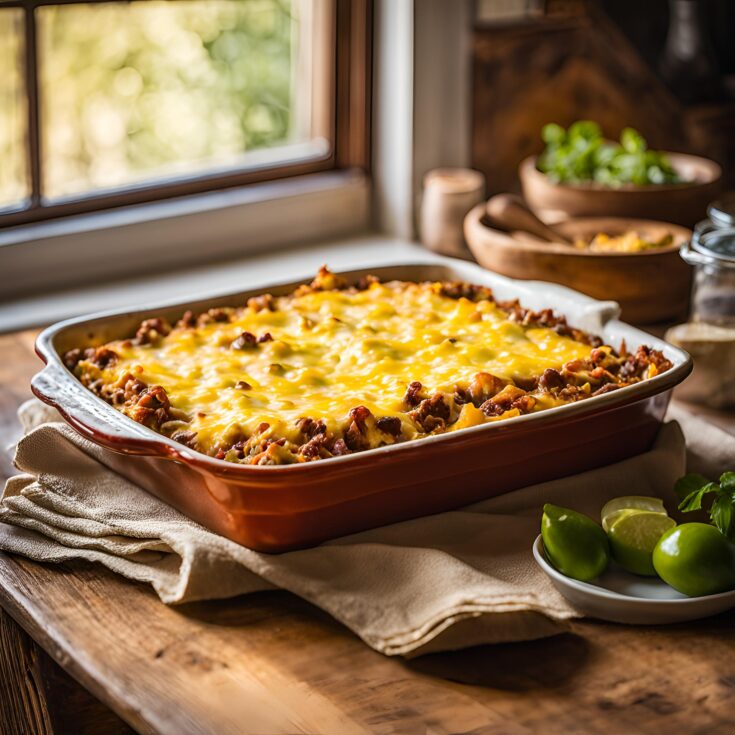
[[583, 311], [91, 416]]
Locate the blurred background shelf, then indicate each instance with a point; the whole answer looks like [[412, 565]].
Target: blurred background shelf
[[607, 61]]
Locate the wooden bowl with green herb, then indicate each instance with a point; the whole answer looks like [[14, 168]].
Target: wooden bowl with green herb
[[581, 174]]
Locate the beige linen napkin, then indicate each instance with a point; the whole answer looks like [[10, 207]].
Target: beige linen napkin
[[436, 583]]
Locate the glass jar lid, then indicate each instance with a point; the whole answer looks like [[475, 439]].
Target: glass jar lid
[[716, 247], [722, 211], [718, 244]]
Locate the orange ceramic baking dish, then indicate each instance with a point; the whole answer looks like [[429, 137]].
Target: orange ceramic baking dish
[[282, 507]]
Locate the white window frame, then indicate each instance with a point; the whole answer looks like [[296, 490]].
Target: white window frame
[[172, 233]]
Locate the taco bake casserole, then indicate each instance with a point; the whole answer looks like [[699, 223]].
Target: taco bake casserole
[[332, 369]]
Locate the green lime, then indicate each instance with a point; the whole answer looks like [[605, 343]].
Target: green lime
[[633, 537], [574, 543], [615, 507], [695, 559]]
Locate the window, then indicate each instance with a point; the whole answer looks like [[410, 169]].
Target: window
[[104, 104], [14, 184]]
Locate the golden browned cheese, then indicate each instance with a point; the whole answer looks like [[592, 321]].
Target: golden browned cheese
[[329, 351], [628, 242]]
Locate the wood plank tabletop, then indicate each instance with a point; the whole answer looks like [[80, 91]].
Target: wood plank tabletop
[[270, 663]]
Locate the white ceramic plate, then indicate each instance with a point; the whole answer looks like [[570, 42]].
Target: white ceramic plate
[[622, 597]]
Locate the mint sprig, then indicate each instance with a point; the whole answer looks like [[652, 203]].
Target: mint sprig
[[692, 489]]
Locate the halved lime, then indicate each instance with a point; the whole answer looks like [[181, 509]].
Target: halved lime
[[614, 508], [633, 537]]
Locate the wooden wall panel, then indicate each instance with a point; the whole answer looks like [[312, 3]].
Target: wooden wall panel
[[561, 70]]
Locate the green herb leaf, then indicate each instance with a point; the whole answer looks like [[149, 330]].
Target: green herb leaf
[[688, 484], [553, 133], [721, 513], [585, 129], [727, 482], [693, 501], [580, 153], [632, 141], [692, 490]]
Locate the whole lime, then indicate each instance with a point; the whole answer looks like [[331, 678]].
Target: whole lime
[[574, 543], [695, 559]]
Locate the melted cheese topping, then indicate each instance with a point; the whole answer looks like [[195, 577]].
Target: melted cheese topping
[[334, 350]]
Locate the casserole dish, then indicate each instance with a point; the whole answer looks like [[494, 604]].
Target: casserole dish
[[281, 507]]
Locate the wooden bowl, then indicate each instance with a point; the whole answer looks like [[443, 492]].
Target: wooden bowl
[[650, 287], [684, 204]]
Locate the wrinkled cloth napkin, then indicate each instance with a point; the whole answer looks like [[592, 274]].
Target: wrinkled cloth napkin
[[436, 583]]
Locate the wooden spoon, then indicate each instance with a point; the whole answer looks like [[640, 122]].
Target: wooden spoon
[[513, 213]]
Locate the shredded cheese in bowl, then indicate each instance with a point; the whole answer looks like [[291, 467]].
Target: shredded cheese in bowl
[[628, 242]]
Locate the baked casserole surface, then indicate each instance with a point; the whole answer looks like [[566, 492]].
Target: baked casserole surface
[[332, 369]]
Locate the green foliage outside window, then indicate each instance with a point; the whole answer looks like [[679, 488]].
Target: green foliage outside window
[[141, 89]]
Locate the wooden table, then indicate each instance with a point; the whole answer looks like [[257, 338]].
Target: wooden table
[[270, 663]]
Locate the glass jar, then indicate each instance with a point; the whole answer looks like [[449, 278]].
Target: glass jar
[[712, 253], [720, 216]]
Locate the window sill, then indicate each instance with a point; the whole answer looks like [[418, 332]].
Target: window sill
[[163, 236], [207, 279]]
